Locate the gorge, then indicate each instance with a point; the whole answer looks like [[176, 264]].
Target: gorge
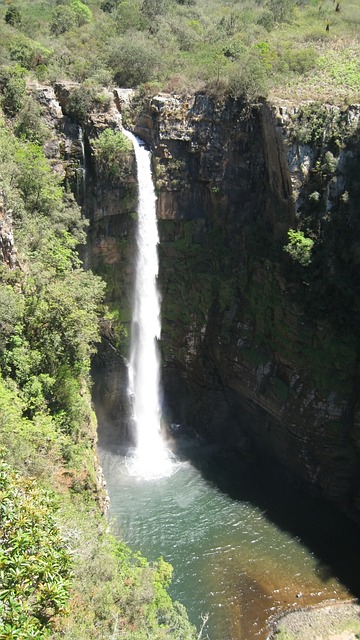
[[251, 338], [259, 344], [230, 340], [147, 513]]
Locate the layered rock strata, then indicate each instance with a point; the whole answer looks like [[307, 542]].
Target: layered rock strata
[[258, 350]]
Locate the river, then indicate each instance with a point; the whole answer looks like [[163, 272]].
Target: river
[[245, 545]]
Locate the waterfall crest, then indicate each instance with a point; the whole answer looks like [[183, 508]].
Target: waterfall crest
[[152, 458]]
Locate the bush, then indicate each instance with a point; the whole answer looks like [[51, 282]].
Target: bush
[[112, 151], [13, 94], [133, 62], [34, 561], [299, 247], [29, 123], [73, 13], [248, 80], [109, 5], [266, 19], [117, 593], [81, 102], [29, 53], [82, 12], [13, 16], [301, 60], [281, 9], [63, 19], [128, 16]]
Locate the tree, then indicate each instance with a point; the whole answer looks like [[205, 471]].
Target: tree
[[112, 151], [28, 53], [248, 79], [281, 9], [109, 5], [13, 16], [82, 12], [13, 95], [63, 19], [73, 13], [151, 10], [299, 247], [133, 62], [29, 123]]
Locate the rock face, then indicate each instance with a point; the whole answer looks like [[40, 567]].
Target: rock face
[[253, 348], [8, 253], [258, 349]]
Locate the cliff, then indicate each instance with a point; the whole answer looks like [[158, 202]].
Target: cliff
[[259, 345], [256, 346]]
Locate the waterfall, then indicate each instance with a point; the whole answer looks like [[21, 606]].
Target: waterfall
[[152, 458], [81, 170]]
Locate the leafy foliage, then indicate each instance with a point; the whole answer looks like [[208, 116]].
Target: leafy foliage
[[86, 98], [48, 331], [112, 150], [29, 123], [13, 94], [133, 61], [190, 44], [69, 15], [117, 593], [299, 247], [13, 16], [34, 560]]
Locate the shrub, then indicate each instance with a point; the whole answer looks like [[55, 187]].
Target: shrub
[[13, 95], [266, 19], [299, 247], [29, 123], [133, 62], [301, 60], [329, 164], [112, 150], [151, 10], [63, 19], [128, 16], [13, 16], [109, 5], [29, 53], [248, 80], [281, 9], [81, 102], [82, 12], [34, 561], [73, 13]]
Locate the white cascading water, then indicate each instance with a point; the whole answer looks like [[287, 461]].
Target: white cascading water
[[81, 171], [152, 459]]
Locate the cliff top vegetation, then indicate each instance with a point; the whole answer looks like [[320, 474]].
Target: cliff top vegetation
[[293, 49]]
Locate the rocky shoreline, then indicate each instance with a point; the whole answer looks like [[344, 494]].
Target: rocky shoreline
[[335, 621]]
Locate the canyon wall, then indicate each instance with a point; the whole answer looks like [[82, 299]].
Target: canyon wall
[[260, 346]]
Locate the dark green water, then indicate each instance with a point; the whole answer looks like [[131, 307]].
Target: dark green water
[[244, 545]]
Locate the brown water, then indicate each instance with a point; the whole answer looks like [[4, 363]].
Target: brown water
[[244, 545]]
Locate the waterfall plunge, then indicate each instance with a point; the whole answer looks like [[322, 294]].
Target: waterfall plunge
[[151, 458]]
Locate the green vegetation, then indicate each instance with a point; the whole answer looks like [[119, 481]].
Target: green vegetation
[[88, 585], [62, 574], [283, 634], [113, 152], [34, 559], [298, 49], [299, 247]]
